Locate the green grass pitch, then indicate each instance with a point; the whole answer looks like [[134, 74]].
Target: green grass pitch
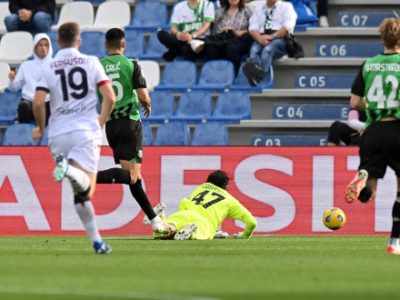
[[265, 267]]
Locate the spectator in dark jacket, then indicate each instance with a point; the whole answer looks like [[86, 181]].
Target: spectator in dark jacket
[[31, 15]]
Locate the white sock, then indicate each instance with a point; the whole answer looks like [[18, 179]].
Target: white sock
[[85, 212], [157, 219], [79, 179]]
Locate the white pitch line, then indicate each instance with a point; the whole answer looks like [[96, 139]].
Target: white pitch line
[[108, 295]]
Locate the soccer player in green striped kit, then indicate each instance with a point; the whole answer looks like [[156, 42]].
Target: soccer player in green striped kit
[[124, 127], [376, 90]]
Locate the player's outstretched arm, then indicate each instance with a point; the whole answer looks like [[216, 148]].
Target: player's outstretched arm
[[108, 102], [239, 212]]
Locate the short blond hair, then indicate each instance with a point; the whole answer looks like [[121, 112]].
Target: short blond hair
[[390, 32]]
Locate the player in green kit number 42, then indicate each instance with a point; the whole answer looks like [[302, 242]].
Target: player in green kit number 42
[[124, 127], [199, 216], [376, 90]]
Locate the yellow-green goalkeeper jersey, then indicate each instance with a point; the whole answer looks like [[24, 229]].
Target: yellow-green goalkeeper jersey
[[216, 204]]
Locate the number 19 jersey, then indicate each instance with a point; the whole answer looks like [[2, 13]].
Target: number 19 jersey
[[381, 75], [71, 78]]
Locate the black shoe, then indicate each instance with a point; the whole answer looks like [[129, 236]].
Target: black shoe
[[253, 73], [169, 55]]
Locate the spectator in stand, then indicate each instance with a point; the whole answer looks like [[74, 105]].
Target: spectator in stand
[[322, 6], [347, 133], [27, 76], [230, 37], [269, 25], [33, 16], [190, 24]]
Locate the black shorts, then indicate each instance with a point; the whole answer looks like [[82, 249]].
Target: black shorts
[[125, 137], [380, 148]]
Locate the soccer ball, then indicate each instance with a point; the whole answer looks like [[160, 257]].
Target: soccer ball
[[334, 218]]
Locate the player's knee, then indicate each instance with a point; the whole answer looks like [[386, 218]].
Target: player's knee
[[85, 195], [134, 178]]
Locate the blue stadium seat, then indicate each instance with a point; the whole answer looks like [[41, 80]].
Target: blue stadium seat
[[317, 111], [44, 140], [347, 49], [172, 134], [134, 43], [149, 15], [154, 49], [147, 134], [93, 43], [193, 106], [324, 80], [288, 140], [178, 76], [232, 107], [162, 107], [8, 107], [362, 19], [242, 84], [210, 134], [53, 38], [19, 135], [216, 75]]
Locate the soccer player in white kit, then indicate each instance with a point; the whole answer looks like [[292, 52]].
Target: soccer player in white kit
[[74, 131]]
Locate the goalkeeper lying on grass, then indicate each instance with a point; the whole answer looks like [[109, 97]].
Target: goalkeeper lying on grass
[[199, 217]]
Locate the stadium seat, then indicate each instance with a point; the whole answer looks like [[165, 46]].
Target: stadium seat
[[44, 140], [127, 1], [288, 140], [172, 134], [19, 135], [242, 84], [8, 107], [162, 107], [81, 12], [216, 75], [4, 71], [193, 106], [149, 15], [4, 12], [232, 107], [154, 49], [134, 43], [317, 111], [151, 72], [362, 19], [210, 134], [178, 76], [111, 14], [92, 43], [16, 47], [53, 38], [324, 80], [147, 134], [347, 49]]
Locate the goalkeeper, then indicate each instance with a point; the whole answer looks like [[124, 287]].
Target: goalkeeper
[[199, 216]]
